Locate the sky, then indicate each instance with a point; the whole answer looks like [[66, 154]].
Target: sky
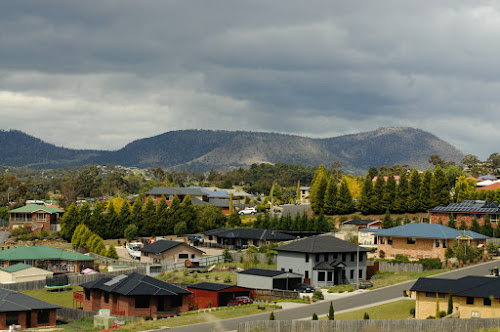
[[100, 74]]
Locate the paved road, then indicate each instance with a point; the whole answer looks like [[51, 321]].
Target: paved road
[[374, 296]]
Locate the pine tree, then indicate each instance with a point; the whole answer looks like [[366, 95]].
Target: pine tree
[[425, 191], [390, 193], [84, 214], [276, 193], [487, 229], [188, 214], [387, 221], [413, 201], [450, 303], [136, 212], [401, 193], [318, 189], [271, 316], [112, 224], [304, 220], [161, 217], [321, 224], [463, 225], [148, 219], [366, 316], [345, 204], [124, 218], [331, 196], [97, 223], [77, 234], [331, 313], [111, 252], [68, 222], [475, 226], [315, 316], [440, 192], [366, 199], [451, 221], [378, 195]]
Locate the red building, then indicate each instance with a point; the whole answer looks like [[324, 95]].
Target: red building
[[133, 295], [209, 294], [466, 211]]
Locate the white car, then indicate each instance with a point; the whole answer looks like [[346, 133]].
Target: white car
[[246, 211]]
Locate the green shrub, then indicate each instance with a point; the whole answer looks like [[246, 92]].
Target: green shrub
[[431, 263], [412, 312], [381, 254], [227, 279], [315, 317], [400, 258], [148, 318], [318, 295]]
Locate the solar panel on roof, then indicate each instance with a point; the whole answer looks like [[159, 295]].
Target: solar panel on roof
[[115, 280]]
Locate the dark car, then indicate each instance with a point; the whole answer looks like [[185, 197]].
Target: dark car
[[304, 288], [239, 300], [196, 240], [365, 284]]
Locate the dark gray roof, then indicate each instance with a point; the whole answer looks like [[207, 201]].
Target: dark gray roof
[[176, 191], [263, 272], [249, 233], [469, 207], [359, 222], [472, 286], [321, 244], [135, 284], [324, 266], [428, 231], [219, 202], [211, 286], [14, 301], [163, 245]]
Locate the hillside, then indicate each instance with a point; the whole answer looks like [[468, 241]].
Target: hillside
[[202, 150]]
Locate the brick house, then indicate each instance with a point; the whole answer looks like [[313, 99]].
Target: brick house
[[473, 296], [47, 258], [166, 250], [133, 295], [238, 238], [210, 294], [466, 211], [19, 309], [417, 240], [36, 217]]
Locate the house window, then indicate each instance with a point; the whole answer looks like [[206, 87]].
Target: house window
[[382, 240], [360, 274], [306, 275], [326, 257], [470, 300], [437, 243], [361, 256], [192, 256], [321, 276], [283, 269], [12, 318], [445, 244], [351, 274], [210, 237], [307, 258], [183, 256], [43, 317], [343, 257], [142, 302], [317, 258], [487, 301], [478, 217], [106, 297], [353, 256], [411, 240], [334, 255], [87, 294], [389, 241], [290, 270], [494, 218], [329, 276], [429, 294]]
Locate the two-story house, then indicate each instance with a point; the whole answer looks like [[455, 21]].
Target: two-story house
[[323, 260]]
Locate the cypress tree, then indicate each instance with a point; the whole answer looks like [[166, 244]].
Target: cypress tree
[[77, 234], [188, 214], [475, 226], [425, 191], [387, 221], [345, 205], [331, 196], [451, 221], [112, 225], [148, 219], [331, 313], [440, 192], [84, 214], [315, 316], [366, 316], [390, 192], [413, 202], [68, 222], [487, 229], [124, 218], [136, 212], [271, 316], [401, 193], [111, 252], [496, 232], [318, 189], [97, 222], [161, 217], [365, 201], [450, 303], [463, 225], [378, 195], [438, 315], [304, 219]]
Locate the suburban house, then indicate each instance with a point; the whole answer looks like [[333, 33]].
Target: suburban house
[[133, 295], [323, 260], [473, 296], [396, 177], [19, 309], [166, 250], [268, 279], [357, 228], [199, 196], [210, 294], [36, 217], [47, 258], [23, 272], [305, 194], [237, 238], [466, 211], [420, 240]]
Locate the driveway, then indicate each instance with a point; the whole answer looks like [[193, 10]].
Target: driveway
[[360, 299]]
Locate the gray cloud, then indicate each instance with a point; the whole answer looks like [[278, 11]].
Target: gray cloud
[[96, 74]]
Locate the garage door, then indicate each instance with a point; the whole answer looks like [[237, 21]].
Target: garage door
[[284, 284]]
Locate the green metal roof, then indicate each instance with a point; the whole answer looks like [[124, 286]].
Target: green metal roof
[[41, 252], [35, 207], [16, 267]]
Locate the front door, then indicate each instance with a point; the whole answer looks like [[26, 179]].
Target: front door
[[161, 304], [336, 277], [28, 319], [329, 276]]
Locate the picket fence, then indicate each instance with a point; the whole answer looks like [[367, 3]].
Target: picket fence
[[400, 267], [407, 325]]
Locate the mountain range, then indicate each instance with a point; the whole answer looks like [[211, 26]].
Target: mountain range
[[202, 150]]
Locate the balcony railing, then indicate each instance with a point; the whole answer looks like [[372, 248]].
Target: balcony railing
[[78, 296]]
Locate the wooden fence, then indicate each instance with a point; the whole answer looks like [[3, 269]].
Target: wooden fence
[[407, 325], [400, 267], [68, 314], [269, 295]]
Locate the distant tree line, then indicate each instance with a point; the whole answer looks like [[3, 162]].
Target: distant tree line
[[301, 222]]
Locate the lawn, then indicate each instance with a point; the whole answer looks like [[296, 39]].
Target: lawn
[[394, 310], [64, 299], [383, 279]]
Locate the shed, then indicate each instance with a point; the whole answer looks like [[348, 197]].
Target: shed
[[218, 295], [23, 272], [268, 279]]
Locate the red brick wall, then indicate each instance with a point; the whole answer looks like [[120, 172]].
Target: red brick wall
[[445, 217], [423, 248], [201, 298]]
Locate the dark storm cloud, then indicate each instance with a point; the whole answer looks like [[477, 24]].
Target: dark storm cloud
[[98, 74]]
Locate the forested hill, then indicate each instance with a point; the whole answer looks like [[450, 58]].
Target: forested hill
[[201, 150]]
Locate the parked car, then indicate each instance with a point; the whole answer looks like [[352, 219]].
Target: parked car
[[196, 239], [365, 284], [248, 210], [239, 300], [304, 288]]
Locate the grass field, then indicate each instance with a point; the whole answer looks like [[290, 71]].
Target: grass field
[[64, 298], [383, 279], [394, 310]]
